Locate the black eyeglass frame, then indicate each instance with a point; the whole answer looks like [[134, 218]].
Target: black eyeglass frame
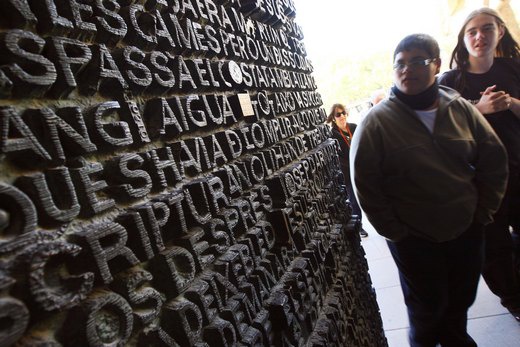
[[342, 113]]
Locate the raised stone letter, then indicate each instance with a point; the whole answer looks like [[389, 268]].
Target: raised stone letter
[[142, 29], [105, 319], [85, 179], [18, 216], [51, 285], [138, 74], [14, 316], [16, 136], [53, 194], [112, 26], [161, 119], [83, 30], [173, 269], [102, 74], [65, 132], [22, 55], [125, 177], [147, 301], [183, 321], [71, 57], [17, 13], [50, 21], [105, 243], [114, 134]]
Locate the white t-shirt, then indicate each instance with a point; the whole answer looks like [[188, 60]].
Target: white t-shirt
[[427, 117]]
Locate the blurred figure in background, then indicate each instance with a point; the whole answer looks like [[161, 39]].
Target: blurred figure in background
[[376, 97], [343, 131]]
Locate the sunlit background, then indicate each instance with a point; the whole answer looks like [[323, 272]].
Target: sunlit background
[[351, 43]]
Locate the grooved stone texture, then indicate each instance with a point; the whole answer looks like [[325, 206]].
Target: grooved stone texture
[[166, 179]]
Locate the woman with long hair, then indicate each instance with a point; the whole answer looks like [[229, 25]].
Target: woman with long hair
[[486, 71], [343, 131]]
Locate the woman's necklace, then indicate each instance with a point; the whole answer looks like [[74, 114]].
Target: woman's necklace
[[343, 135]]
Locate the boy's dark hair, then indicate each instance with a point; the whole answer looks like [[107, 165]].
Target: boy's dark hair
[[420, 41]]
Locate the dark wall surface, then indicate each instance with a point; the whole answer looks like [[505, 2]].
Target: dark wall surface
[[166, 179]]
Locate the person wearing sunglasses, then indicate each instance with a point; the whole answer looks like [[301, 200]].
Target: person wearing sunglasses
[[486, 71], [429, 172], [343, 131]]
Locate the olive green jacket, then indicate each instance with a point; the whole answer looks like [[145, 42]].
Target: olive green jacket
[[431, 185]]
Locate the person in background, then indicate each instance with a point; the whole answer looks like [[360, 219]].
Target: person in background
[[486, 71], [429, 172], [376, 97], [343, 131]]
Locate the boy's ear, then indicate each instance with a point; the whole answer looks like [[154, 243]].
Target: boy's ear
[[438, 63]]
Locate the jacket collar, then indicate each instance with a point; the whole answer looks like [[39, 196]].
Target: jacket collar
[[446, 95]]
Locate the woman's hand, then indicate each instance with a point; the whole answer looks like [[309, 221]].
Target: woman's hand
[[492, 101]]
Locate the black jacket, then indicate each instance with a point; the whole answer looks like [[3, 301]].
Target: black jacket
[[344, 149]]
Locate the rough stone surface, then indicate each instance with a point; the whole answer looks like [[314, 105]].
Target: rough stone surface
[[166, 179]]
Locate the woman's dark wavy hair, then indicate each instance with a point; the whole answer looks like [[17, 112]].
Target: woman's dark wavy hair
[[507, 46], [332, 114]]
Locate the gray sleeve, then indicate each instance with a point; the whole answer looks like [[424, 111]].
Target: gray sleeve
[[366, 153]]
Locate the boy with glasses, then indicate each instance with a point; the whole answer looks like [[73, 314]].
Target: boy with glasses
[[429, 172]]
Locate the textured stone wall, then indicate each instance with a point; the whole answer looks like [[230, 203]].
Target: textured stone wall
[[166, 179]]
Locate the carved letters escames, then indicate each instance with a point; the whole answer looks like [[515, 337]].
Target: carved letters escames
[[166, 179]]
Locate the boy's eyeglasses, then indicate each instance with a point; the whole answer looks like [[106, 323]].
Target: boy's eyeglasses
[[339, 114], [414, 64]]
